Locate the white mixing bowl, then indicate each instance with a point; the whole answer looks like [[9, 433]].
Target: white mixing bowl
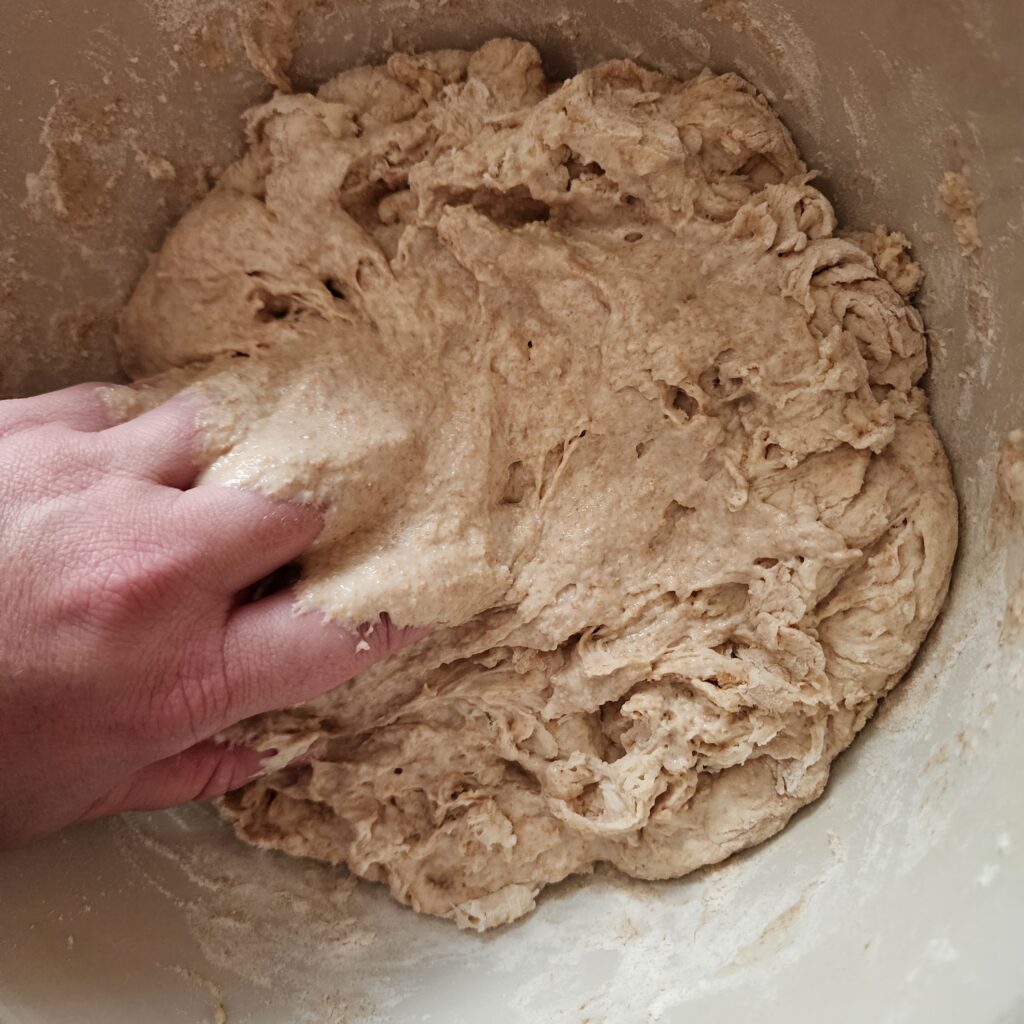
[[899, 895]]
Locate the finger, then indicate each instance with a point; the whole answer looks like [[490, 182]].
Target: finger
[[242, 536], [275, 657], [80, 407], [201, 772], [164, 444]]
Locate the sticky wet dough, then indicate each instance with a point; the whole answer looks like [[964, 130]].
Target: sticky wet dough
[[589, 381]]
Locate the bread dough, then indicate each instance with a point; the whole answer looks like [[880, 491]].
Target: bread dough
[[590, 383]]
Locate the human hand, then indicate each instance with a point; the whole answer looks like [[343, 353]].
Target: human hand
[[126, 641]]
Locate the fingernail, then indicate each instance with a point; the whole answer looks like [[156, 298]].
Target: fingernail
[[262, 757]]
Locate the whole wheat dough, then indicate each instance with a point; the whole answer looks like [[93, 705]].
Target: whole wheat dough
[[588, 380]]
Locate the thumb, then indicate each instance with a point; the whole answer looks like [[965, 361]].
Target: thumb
[[201, 772]]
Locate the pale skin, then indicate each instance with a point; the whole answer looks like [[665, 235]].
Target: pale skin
[[127, 636]]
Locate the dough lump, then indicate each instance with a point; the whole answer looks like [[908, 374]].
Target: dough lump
[[591, 384]]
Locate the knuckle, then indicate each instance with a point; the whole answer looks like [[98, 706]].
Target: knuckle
[[185, 710], [117, 575], [141, 574], [242, 656], [59, 460], [42, 462], [102, 593], [202, 706]]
